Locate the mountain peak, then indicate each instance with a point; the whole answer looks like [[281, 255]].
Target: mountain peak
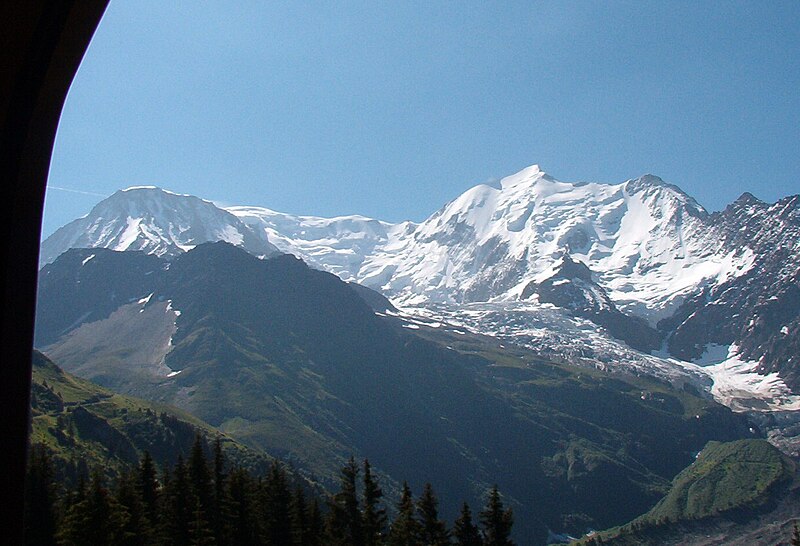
[[528, 175], [154, 191], [136, 188], [651, 184], [156, 221], [647, 181], [747, 198]]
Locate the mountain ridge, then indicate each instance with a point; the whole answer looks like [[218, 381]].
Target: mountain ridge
[[153, 220], [656, 253]]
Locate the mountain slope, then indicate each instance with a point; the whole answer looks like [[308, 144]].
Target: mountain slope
[[338, 245], [154, 221], [758, 312], [743, 492], [294, 361], [83, 426], [572, 287]]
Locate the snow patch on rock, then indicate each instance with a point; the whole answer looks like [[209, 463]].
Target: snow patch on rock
[[738, 385]]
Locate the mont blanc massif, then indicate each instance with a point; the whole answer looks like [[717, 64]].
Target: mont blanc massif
[[617, 360]]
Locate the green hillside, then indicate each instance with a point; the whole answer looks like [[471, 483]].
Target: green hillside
[[725, 476], [732, 482], [83, 426]]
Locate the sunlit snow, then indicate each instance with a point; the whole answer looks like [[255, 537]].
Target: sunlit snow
[[738, 384]]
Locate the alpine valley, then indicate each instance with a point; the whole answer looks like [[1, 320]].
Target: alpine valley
[[577, 344]]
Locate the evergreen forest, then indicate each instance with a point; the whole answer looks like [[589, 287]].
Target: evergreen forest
[[204, 500]]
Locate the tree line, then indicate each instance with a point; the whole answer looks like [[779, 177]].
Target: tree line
[[201, 502]]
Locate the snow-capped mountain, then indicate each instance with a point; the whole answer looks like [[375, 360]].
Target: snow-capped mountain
[[758, 311], [339, 245], [645, 240], [654, 265], [155, 221]]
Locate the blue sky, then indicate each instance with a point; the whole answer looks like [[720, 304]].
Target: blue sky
[[390, 109]]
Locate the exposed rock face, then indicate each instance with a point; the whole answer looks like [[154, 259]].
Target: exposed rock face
[[758, 311], [571, 288]]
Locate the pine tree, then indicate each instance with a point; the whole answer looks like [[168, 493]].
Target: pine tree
[[464, 531], [795, 535], [160, 524], [315, 523], [200, 476], [147, 485], [497, 521], [219, 515], [137, 530], [97, 520], [79, 495], [373, 520], [433, 531], [344, 519], [298, 512], [275, 500], [242, 511], [201, 533], [179, 503], [404, 530], [40, 496]]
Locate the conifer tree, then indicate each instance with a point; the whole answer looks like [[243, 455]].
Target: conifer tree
[[219, 514], [373, 515], [242, 513], [496, 521], [275, 500], [80, 492], [795, 535], [137, 529], [201, 533], [147, 485], [344, 519], [40, 497], [97, 520], [315, 523], [178, 507], [298, 512], [404, 530], [465, 532], [200, 476], [433, 531]]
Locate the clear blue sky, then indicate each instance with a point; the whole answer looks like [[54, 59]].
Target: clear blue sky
[[390, 109]]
